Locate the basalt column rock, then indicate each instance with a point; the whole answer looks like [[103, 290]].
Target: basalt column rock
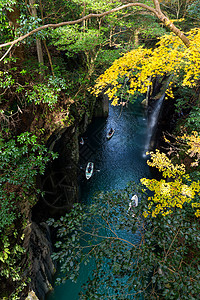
[[40, 265], [59, 183], [60, 188]]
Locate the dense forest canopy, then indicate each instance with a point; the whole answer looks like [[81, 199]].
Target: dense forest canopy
[[156, 11], [54, 57]]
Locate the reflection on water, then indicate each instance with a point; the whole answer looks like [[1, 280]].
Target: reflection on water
[[117, 162]]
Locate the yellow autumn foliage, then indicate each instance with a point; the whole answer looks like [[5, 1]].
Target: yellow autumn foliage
[[170, 56], [193, 143], [172, 192]]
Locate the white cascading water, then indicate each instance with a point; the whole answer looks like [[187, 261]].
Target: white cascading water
[[152, 123]]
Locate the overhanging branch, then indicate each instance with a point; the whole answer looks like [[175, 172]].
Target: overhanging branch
[[156, 11], [77, 21], [6, 52]]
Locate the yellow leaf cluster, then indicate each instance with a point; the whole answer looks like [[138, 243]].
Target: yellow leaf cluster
[[164, 165], [169, 57], [170, 193], [193, 142]]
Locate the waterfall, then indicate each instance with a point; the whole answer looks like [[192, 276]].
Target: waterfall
[[152, 123]]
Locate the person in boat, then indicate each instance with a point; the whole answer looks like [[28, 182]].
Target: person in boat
[[133, 203], [82, 141], [89, 168], [111, 131]]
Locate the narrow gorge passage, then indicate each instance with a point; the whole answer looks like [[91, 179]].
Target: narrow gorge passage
[[117, 161]]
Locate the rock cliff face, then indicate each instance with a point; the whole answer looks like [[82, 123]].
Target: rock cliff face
[[60, 188], [102, 106], [40, 265], [61, 191]]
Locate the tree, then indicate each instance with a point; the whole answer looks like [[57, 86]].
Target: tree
[[156, 11], [149, 251], [20, 162], [50, 102], [175, 189], [96, 38], [176, 8], [100, 242], [38, 41], [169, 57], [151, 255]]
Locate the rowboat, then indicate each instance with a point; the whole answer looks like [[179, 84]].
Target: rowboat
[[82, 141], [134, 200], [133, 203], [89, 170], [110, 134]]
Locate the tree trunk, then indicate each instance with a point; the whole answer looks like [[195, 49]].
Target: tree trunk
[[13, 15], [38, 41], [39, 52], [174, 29], [136, 37], [169, 24]]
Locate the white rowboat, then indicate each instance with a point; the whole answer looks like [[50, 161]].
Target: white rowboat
[[82, 141], [133, 203], [89, 170]]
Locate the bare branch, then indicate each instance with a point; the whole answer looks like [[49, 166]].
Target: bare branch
[[6, 52]]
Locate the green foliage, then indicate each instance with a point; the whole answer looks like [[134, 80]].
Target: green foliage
[[42, 94], [11, 268], [148, 32], [106, 57], [6, 80], [171, 254], [187, 105], [147, 27], [5, 29], [193, 120], [76, 39], [47, 92], [9, 257], [95, 235], [60, 10], [194, 9], [28, 23], [97, 5], [159, 257], [183, 98], [7, 4], [20, 162]]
